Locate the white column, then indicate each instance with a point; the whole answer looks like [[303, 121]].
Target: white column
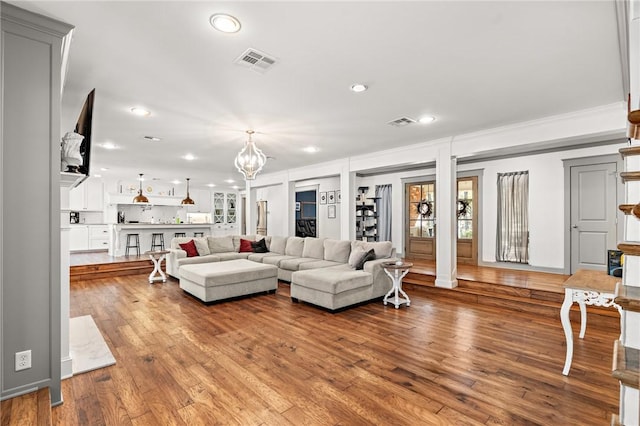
[[347, 204], [289, 188], [250, 208], [446, 266]]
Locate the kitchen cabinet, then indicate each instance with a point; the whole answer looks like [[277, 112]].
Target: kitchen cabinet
[[88, 196], [225, 208], [79, 238], [88, 237], [202, 200]]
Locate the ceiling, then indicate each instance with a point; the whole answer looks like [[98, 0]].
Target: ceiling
[[472, 65]]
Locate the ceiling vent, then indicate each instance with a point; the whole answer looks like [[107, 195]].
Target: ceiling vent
[[255, 60], [401, 122]]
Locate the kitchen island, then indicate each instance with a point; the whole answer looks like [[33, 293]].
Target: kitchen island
[[118, 234]]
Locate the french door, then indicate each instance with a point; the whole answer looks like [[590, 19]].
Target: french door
[[420, 227]]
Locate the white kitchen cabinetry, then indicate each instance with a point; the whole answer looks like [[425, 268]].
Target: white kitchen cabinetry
[[88, 196], [202, 200], [98, 237], [88, 237], [79, 238]]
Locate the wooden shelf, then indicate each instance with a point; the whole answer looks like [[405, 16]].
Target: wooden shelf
[[628, 297], [632, 249], [629, 176], [629, 151], [626, 365]]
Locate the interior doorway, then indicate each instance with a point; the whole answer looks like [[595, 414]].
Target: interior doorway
[[593, 208], [306, 214]]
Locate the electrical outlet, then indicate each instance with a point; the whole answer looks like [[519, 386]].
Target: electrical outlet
[[23, 360]]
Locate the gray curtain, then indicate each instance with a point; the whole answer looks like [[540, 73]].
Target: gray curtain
[[383, 195], [512, 239]]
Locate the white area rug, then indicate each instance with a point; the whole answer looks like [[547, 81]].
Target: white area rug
[[87, 347]]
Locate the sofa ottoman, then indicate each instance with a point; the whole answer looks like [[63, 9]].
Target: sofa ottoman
[[333, 288], [222, 280]]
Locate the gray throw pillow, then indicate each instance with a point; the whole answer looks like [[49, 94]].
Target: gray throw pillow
[[370, 255], [202, 245], [356, 256]]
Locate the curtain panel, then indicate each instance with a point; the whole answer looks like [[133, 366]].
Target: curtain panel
[[512, 239], [383, 193]]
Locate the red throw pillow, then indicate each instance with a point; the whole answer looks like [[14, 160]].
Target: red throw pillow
[[190, 248], [245, 246]]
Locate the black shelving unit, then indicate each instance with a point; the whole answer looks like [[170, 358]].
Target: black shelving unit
[[366, 216]]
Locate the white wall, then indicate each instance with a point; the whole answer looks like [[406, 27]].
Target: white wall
[[326, 228], [275, 198]]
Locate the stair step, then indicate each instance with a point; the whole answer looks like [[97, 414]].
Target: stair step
[[629, 248], [105, 270], [629, 150], [628, 298], [629, 176], [626, 365]]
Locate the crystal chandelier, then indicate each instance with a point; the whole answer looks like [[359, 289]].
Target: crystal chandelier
[[250, 159]]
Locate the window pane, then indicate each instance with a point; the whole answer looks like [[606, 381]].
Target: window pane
[[415, 229], [428, 229], [465, 229], [415, 193]]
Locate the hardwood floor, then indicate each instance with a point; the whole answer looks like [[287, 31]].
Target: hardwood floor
[[265, 360]]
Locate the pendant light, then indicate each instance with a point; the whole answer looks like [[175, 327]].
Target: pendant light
[[188, 199], [140, 198], [250, 160]]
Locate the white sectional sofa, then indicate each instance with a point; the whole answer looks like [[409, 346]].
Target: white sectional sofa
[[321, 270]]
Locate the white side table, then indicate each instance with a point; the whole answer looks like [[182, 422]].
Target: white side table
[[157, 257], [396, 271], [585, 287]]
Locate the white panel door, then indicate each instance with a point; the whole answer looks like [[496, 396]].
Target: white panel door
[[593, 215]]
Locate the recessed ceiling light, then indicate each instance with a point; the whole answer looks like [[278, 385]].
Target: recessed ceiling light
[[97, 175], [235, 187], [358, 87], [152, 138], [140, 111], [225, 23], [109, 145], [211, 185], [175, 182], [310, 149], [103, 169], [189, 157], [426, 119], [229, 180]]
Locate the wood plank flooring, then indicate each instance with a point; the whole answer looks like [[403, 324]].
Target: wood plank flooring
[[266, 361]]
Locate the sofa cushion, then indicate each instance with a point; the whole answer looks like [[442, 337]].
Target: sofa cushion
[[294, 264], [257, 257], [333, 280], [337, 250], [236, 240], [225, 273], [190, 248], [220, 244], [198, 259], [317, 264], [358, 257], [245, 246], [313, 247], [278, 244], [275, 260], [383, 249], [202, 245], [259, 246], [294, 247], [232, 255]]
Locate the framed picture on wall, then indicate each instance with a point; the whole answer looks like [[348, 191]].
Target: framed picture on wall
[[331, 196], [338, 196], [323, 198], [331, 212]]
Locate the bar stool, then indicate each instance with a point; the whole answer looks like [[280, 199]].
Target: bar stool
[[133, 241], [179, 234], [198, 234], [157, 241]]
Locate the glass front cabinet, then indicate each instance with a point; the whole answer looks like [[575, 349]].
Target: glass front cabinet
[[225, 213]]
